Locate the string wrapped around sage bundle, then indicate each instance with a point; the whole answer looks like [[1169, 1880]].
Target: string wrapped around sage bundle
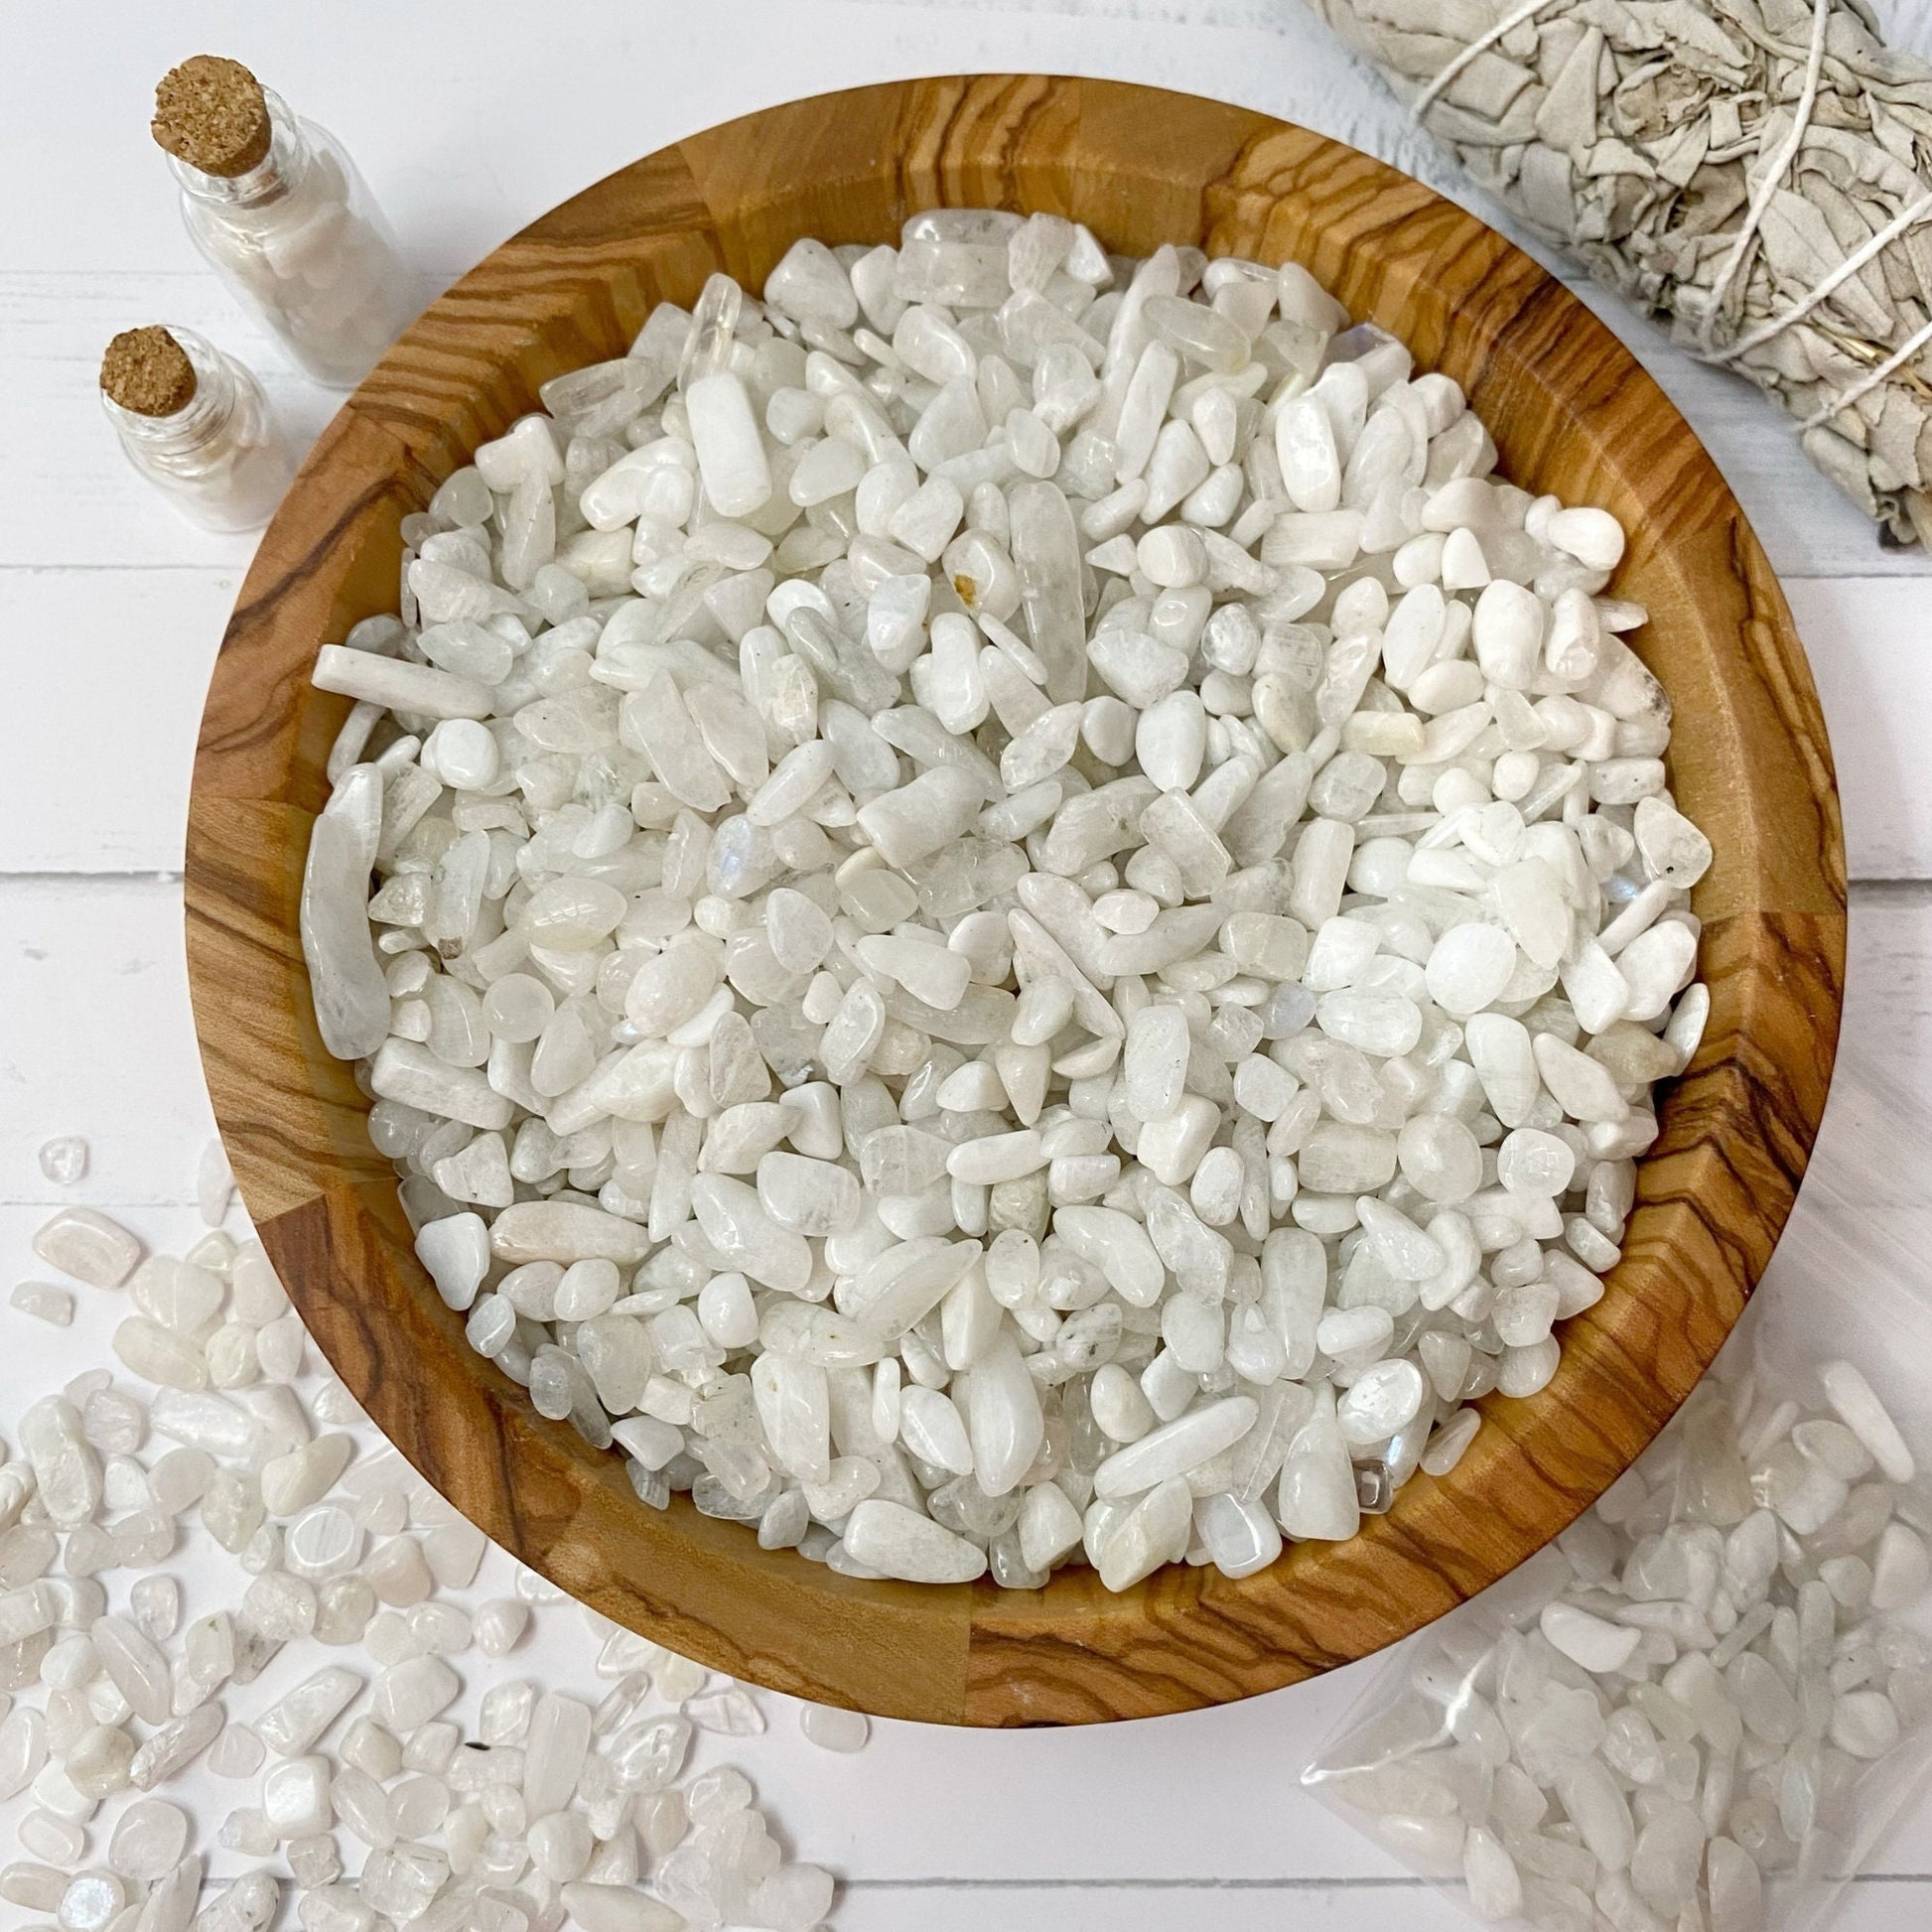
[[1756, 172]]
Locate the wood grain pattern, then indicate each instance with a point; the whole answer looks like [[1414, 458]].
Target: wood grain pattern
[[1570, 412]]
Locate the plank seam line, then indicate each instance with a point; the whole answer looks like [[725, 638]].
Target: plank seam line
[[238, 567], [1134, 1884], [1318, 1884], [133, 876]]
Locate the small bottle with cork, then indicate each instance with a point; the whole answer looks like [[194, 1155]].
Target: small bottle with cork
[[282, 215], [196, 424]]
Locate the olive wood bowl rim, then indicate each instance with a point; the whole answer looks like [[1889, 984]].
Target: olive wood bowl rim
[[1737, 1128]]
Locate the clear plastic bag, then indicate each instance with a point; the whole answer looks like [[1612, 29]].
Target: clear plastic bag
[[1479, 1720]]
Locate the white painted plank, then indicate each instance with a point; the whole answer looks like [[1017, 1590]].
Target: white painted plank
[[1870, 1158], [108, 664], [97, 1039], [107, 671], [81, 505], [87, 507], [1867, 640], [1888, 1029], [467, 127]]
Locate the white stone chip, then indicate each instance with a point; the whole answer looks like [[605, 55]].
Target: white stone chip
[[1589, 1640], [90, 1246], [1851, 1396], [148, 1840], [1055, 937], [893, 1541]]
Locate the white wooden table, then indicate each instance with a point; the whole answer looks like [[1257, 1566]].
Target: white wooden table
[[469, 120]]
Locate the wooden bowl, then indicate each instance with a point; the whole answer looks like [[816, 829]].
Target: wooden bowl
[[1571, 413]]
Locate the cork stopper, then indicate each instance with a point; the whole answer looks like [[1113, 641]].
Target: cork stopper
[[209, 113], [148, 372]]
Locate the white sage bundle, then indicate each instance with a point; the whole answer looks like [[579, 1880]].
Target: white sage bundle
[[1760, 172]]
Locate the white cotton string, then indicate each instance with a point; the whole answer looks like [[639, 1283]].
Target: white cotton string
[[1774, 174], [1871, 380], [1906, 219], [1482, 45]]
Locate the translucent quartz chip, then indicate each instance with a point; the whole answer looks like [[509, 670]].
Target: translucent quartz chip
[[457, 1253], [314, 1861], [1469, 967], [55, 1840], [409, 1694], [1496, 1887], [290, 1484], [214, 1184], [834, 1730], [136, 1666], [1175, 1448], [499, 1626], [453, 1552], [295, 1797], [292, 1726], [45, 1301], [737, 475], [321, 1542], [1318, 1498], [505, 1711], [175, 1745], [98, 1764], [160, 1354], [92, 1901], [1381, 1401], [1735, 1887], [1447, 1445], [148, 1840], [67, 1472], [237, 1754], [1865, 1724], [23, 1749], [63, 1160]]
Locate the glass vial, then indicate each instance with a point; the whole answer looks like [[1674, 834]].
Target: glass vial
[[281, 215], [196, 424]]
